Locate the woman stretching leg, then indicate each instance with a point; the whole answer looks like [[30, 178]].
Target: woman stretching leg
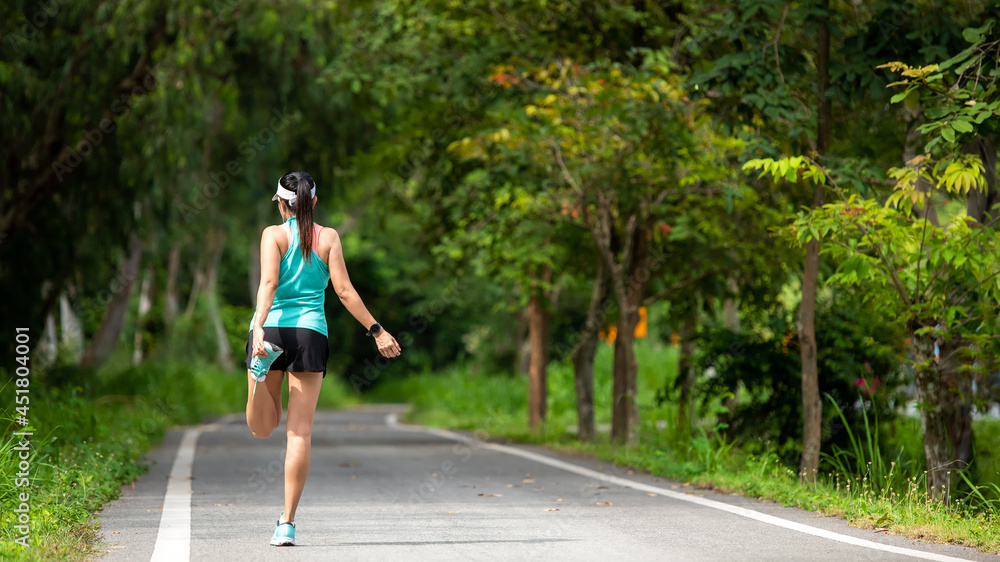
[[298, 259]]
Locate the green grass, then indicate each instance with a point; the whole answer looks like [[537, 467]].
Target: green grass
[[865, 487], [88, 437]]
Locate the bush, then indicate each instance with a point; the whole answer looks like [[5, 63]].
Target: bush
[[861, 372]]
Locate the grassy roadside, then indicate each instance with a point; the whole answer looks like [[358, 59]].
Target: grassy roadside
[[87, 439], [879, 497]]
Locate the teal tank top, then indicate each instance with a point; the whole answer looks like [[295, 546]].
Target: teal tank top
[[298, 301]]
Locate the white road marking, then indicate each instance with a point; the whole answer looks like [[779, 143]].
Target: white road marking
[[173, 540], [392, 420]]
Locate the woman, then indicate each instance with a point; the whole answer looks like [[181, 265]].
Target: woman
[[298, 258]]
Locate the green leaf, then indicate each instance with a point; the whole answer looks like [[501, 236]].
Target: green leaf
[[975, 34], [962, 126], [948, 133]]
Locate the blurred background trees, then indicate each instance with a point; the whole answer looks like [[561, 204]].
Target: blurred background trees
[[511, 180]]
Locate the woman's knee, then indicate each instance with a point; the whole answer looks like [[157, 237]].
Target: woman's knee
[[299, 431], [260, 432]]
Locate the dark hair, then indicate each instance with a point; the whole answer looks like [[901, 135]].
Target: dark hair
[[302, 184]]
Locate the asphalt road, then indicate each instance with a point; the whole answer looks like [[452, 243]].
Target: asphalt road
[[382, 491]]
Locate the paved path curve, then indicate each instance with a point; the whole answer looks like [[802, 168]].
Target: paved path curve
[[379, 490]]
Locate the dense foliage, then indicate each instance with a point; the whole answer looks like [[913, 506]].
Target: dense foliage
[[511, 179]]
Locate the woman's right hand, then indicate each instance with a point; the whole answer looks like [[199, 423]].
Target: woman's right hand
[[258, 342], [387, 345]]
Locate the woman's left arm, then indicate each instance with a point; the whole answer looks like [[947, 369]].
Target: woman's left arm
[[270, 263]]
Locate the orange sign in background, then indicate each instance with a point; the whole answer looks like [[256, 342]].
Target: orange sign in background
[[641, 328]]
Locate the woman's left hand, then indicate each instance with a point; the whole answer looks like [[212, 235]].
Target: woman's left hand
[[387, 344]]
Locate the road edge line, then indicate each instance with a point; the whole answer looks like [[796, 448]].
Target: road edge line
[[392, 420], [173, 538]]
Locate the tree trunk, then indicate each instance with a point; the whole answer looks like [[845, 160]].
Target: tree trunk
[[981, 203], [70, 330], [731, 311], [538, 334], [106, 338], [48, 345], [170, 302], [946, 413], [625, 404], [812, 405], [730, 306], [583, 355], [145, 303], [216, 244], [196, 288], [686, 376], [522, 353]]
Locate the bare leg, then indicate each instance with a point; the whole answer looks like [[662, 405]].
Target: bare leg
[[303, 392], [264, 411]]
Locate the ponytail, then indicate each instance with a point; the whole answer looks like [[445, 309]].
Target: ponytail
[[303, 185]]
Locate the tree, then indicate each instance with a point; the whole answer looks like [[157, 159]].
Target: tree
[[627, 149]]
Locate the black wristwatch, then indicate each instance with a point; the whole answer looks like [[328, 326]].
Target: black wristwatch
[[374, 330]]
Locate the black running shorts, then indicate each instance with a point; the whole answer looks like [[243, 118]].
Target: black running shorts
[[306, 351]]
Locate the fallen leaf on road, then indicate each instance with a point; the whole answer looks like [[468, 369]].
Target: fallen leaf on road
[[510, 485], [674, 486], [558, 499], [651, 494], [217, 504], [230, 505], [527, 480], [604, 503], [630, 472], [491, 495], [551, 509], [159, 507], [459, 511]]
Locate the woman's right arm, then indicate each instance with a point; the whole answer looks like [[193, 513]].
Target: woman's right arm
[[270, 266], [387, 344]]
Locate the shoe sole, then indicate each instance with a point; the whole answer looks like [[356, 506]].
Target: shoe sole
[[283, 543]]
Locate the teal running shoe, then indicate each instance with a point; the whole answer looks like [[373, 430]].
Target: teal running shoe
[[260, 365], [284, 533]]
